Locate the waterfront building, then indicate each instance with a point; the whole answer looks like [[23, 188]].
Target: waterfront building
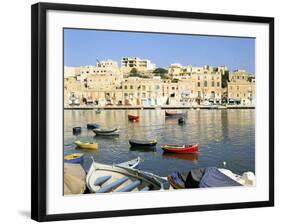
[[241, 88], [106, 84], [208, 87]]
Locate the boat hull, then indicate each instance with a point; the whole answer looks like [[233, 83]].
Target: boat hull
[[90, 146], [74, 158], [175, 115], [134, 163], [139, 143], [112, 132], [103, 178], [133, 118], [180, 149]]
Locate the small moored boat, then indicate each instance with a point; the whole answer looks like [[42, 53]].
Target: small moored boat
[[93, 126], [86, 145], [133, 117], [210, 177], [106, 132], [175, 114], [103, 178], [137, 142], [180, 148], [131, 163], [74, 158]]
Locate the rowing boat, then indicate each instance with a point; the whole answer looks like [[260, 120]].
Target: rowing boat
[[133, 117], [131, 163], [103, 178], [74, 158], [137, 142], [180, 148], [86, 145], [106, 132], [175, 114]]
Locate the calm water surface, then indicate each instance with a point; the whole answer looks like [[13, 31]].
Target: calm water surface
[[223, 136]]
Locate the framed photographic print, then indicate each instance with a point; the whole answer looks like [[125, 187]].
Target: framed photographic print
[[139, 111]]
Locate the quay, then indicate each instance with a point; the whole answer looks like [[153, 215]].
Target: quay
[[213, 107]]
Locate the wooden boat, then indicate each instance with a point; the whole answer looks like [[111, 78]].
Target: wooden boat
[[106, 132], [175, 114], [210, 177], [246, 179], [103, 178], [74, 158], [86, 145], [133, 117], [131, 163], [137, 142], [93, 126], [180, 148]]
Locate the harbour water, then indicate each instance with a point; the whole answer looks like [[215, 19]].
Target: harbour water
[[226, 138]]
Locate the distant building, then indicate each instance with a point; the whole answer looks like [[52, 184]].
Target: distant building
[[241, 88], [107, 84], [142, 65]]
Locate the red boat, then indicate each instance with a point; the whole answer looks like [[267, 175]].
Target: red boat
[[180, 148], [133, 117]]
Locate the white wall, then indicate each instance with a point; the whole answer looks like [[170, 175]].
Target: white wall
[[15, 109]]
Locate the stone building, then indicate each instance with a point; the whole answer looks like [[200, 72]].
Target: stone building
[[241, 88], [142, 65]]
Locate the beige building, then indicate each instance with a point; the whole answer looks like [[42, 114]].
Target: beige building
[[241, 88], [106, 84], [142, 65]]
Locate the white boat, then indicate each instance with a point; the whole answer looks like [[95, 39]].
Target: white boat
[[131, 164], [106, 132], [103, 178], [247, 179]]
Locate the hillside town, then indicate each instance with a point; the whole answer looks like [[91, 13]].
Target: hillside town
[[140, 83]]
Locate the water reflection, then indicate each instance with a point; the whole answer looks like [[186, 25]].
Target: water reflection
[[223, 136]]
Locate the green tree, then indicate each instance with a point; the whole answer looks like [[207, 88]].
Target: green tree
[[225, 79], [134, 73], [160, 71]]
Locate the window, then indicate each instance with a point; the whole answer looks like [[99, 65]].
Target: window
[[199, 94], [212, 77], [125, 87], [198, 84], [218, 84], [131, 87], [213, 84], [205, 83], [198, 77]]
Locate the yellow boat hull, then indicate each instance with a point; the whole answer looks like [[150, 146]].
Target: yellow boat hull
[[86, 145]]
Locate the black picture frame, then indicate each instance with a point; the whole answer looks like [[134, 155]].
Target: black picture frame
[[39, 108]]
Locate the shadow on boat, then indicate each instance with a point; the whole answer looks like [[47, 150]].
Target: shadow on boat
[[182, 156], [143, 148]]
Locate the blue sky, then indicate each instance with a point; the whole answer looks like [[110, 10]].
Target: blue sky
[[83, 47]]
